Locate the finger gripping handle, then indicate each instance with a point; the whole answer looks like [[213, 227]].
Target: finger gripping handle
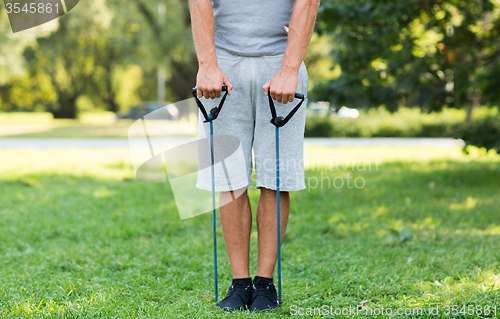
[[214, 112], [195, 89], [279, 121]]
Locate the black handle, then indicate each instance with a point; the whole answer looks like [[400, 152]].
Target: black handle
[[214, 112], [279, 121], [195, 89]]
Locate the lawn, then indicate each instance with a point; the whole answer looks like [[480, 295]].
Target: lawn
[[82, 238], [91, 125], [407, 122], [375, 122]]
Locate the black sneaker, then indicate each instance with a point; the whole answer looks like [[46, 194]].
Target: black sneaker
[[238, 295], [264, 296]]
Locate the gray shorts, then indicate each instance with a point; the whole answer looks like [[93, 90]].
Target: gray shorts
[[246, 115]]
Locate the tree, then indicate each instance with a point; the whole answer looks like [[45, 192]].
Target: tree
[[173, 45], [116, 46], [413, 52], [65, 58], [11, 48], [97, 43], [14, 81]]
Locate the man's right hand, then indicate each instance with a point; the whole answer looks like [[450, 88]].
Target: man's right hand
[[209, 81]]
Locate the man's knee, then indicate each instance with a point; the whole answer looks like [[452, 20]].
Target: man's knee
[[229, 196], [271, 192]]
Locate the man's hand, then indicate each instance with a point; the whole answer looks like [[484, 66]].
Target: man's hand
[[209, 81], [210, 77], [283, 85]]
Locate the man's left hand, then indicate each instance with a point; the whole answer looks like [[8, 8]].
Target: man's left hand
[[282, 85]]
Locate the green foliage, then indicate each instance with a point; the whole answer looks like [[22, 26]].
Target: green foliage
[[320, 65], [324, 126], [413, 52], [319, 126], [103, 50], [407, 122], [65, 57], [13, 95], [11, 47], [484, 133]]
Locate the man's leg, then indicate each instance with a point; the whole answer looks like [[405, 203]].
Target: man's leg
[[236, 221], [266, 226]]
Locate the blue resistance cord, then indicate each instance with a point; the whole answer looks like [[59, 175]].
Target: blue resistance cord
[[279, 121], [213, 209], [214, 112], [278, 223]]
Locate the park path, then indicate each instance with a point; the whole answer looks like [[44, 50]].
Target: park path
[[107, 143]]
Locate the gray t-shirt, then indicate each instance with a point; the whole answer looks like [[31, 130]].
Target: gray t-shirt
[[252, 27]]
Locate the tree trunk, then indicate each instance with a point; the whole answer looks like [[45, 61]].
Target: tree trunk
[[67, 108], [182, 80], [113, 107], [469, 108], [475, 102], [110, 93]]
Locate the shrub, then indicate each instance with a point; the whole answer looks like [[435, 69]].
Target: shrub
[[483, 133], [319, 126], [407, 122]]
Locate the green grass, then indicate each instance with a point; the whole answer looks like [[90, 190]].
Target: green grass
[[25, 117], [89, 125], [375, 122], [81, 238]]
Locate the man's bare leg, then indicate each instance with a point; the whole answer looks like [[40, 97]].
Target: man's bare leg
[[236, 221], [266, 227]]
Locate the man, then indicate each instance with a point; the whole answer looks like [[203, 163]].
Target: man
[[255, 44]]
